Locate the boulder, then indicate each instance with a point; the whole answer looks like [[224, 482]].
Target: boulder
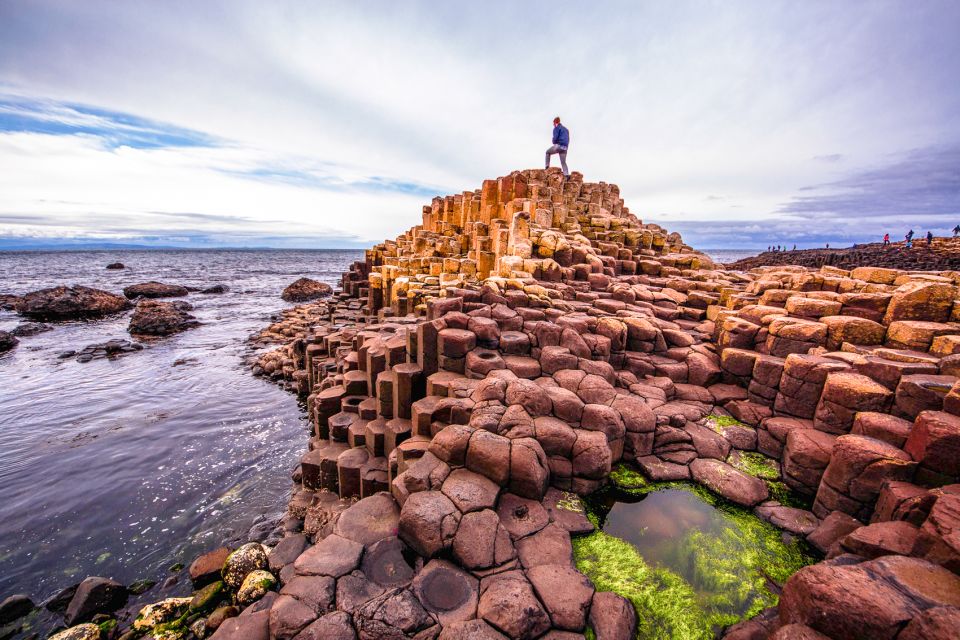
[[249, 557], [374, 518], [446, 591], [95, 595], [255, 586], [934, 442], [305, 289], [732, 484], [70, 303], [333, 626], [206, 568], [481, 541], [395, 614], [565, 592], [7, 341], [116, 265], [156, 318], [938, 623], [15, 607], [85, 631], [154, 290], [27, 329]]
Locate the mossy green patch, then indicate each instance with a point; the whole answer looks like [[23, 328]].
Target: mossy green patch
[[706, 578], [755, 464], [666, 604], [719, 422]]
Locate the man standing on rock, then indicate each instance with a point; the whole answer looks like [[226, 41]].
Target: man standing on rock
[[561, 140]]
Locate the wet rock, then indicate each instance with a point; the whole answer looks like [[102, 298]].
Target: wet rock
[[249, 625], [7, 341], [26, 329], [116, 265], [730, 483], [306, 289], [447, 592], [160, 612], [206, 568], [354, 590], [798, 521], [508, 603], [109, 349], [70, 303], [59, 602], [250, 557], [255, 586], [612, 617], [155, 318], [207, 597], [154, 290], [565, 592], [333, 626], [15, 607], [95, 595], [215, 289], [84, 631]]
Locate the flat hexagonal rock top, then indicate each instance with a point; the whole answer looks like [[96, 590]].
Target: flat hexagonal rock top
[[732, 484], [566, 592], [386, 563], [333, 556], [508, 603], [470, 491], [447, 591], [521, 516], [369, 520]]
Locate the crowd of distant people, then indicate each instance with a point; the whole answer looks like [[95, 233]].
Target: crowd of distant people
[[908, 241]]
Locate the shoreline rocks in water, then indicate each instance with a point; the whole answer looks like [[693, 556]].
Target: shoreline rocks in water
[[305, 289], [7, 341], [479, 374], [154, 290], [116, 266], [156, 318], [109, 349], [70, 303], [26, 329]]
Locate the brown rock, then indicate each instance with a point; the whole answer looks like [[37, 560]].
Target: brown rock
[[507, 602], [831, 529], [732, 484], [333, 556], [446, 591], [565, 592], [206, 568], [154, 290], [428, 522], [934, 442], [881, 539], [612, 617], [305, 289], [70, 303], [155, 318], [374, 518]]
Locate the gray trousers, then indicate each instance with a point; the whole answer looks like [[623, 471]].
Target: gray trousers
[[562, 152]]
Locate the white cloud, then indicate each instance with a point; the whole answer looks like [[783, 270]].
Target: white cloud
[[673, 101]]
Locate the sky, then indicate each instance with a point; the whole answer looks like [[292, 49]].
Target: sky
[[330, 124]]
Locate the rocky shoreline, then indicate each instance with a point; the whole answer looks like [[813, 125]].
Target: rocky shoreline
[[941, 255], [529, 344]]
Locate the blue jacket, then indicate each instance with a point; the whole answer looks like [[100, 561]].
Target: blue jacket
[[561, 136]]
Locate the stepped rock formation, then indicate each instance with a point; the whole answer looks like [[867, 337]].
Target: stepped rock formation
[[478, 373]]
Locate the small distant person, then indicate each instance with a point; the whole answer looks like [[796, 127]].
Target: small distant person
[[828, 245], [909, 235], [794, 248], [561, 141], [956, 231], [886, 239], [909, 243], [929, 238]]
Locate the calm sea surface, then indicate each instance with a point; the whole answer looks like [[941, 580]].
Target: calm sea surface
[[124, 467]]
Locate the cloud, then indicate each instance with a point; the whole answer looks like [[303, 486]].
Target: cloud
[[346, 118]]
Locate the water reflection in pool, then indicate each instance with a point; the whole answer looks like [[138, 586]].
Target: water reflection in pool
[[691, 563]]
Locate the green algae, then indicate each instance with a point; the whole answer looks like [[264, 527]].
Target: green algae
[[719, 422], [707, 580], [666, 604], [755, 464]]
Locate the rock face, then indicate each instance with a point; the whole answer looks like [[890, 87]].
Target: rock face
[[154, 290], [478, 373], [70, 303], [306, 289], [154, 318]]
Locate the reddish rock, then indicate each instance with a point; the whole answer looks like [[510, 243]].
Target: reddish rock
[[156, 318], [206, 568], [565, 592], [70, 303], [154, 290], [529, 474], [612, 617], [882, 426], [938, 623], [508, 603], [470, 630], [831, 529], [934, 442], [732, 484], [805, 457], [333, 556], [333, 626], [521, 516], [288, 616], [470, 491], [489, 454], [550, 545], [481, 541], [306, 289], [447, 592], [428, 522], [881, 539]]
